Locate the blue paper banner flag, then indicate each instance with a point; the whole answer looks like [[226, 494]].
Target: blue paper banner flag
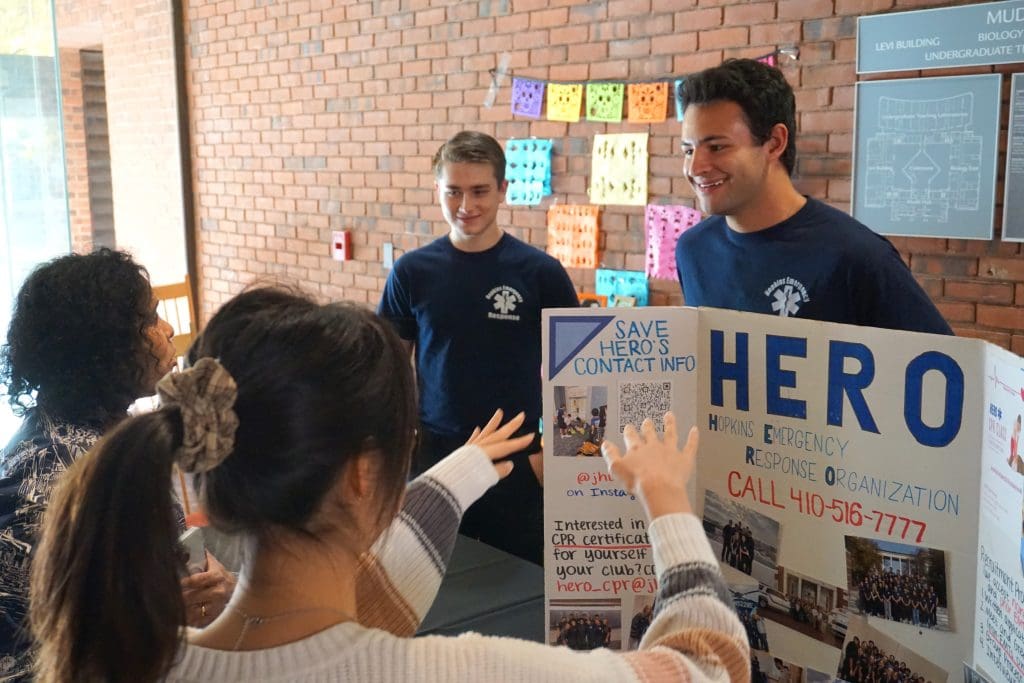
[[528, 171]]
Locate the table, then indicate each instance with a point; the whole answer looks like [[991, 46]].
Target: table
[[488, 591]]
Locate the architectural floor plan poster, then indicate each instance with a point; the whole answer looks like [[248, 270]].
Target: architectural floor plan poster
[[925, 155], [862, 488]]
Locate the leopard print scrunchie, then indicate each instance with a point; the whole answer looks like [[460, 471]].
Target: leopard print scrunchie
[[205, 394]]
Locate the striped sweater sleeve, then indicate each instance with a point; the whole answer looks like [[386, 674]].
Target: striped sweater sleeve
[[695, 634], [400, 575]]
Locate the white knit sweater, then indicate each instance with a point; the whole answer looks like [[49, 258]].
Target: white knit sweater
[[695, 635]]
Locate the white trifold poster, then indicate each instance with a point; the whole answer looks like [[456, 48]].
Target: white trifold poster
[[861, 487]]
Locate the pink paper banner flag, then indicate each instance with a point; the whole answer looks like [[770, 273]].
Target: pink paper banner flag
[[663, 225], [770, 60]]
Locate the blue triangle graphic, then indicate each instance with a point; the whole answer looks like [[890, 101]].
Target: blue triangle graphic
[[568, 336]]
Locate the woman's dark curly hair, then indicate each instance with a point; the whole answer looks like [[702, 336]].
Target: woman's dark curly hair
[[78, 338]]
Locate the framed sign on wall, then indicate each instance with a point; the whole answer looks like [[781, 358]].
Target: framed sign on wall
[[925, 156]]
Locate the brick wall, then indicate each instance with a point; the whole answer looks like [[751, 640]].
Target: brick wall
[[310, 117], [75, 156]]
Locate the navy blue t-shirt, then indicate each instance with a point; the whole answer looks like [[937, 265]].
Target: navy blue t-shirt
[[475, 320], [819, 264]]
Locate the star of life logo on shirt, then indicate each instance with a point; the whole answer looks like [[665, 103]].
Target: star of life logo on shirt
[[504, 299], [787, 296]]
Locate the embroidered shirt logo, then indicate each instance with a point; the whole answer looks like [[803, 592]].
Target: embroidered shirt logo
[[504, 299], [787, 296]]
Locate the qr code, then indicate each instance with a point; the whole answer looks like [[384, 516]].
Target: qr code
[[641, 400]]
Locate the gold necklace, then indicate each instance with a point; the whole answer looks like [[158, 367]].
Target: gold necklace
[[257, 620]]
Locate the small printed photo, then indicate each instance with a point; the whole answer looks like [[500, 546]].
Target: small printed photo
[[592, 300], [745, 601], [803, 604], [581, 414], [1015, 461], [972, 675], [869, 655], [624, 301], [643, 614], [815, 676], [764, 668], [898, 582], [586, 624], [743, 538]]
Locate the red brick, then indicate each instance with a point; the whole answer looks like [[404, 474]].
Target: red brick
[[777, 33], [944, 265], [824, 121], [628, 8], [804, 9], [609, 70], [698, 19], [674, 44], [549, 18], [687, 64], [956, 312], [863, 7], [749, 13], [827, 75], [587, 52], [619, 49], [1003, 317], [980, 291], [1001, 268], [568, 35], [652, 25], [721, 38]]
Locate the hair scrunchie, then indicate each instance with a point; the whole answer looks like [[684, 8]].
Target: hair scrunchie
[[205, 394]]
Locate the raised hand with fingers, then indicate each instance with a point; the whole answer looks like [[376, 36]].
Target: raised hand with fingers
[[653, 467], [494, 439]]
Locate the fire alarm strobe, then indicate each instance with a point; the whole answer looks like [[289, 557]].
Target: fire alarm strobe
[[341, 245]]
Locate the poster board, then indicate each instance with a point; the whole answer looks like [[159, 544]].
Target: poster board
[[605, 365], [855, 463], [925, 156]]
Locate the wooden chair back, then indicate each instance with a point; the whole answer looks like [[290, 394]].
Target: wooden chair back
[[177, 308]]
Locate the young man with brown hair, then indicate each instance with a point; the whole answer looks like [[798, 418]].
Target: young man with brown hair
[[766, 248], [469, 303]]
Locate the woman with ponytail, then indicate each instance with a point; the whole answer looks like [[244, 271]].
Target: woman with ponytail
[[298, 421]]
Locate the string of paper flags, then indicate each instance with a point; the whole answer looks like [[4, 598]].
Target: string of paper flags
[[603, 101], [618, 174]]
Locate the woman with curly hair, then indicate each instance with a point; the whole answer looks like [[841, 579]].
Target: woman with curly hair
[[84, 342]]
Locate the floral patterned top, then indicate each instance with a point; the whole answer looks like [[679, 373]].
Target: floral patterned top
[[30, 467]]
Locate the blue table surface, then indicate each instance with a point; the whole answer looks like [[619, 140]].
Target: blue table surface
[[488, 591]]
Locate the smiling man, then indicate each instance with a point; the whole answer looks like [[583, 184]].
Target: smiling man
[[470, 304], [765, 247]]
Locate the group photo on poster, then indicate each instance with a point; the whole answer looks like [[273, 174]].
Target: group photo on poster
[[585, 624], [580, 420], [744, 539]]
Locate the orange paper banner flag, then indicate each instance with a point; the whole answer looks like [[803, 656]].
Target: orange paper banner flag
[[573, 234], [648, 102]]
